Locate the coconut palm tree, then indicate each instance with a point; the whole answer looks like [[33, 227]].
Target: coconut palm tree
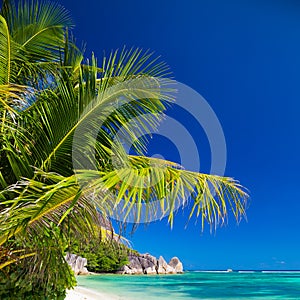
[[57, 111]]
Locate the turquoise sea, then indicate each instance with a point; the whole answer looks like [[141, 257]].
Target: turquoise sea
[[198, 285]]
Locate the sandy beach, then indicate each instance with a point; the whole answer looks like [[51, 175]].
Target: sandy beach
[[80, 293]]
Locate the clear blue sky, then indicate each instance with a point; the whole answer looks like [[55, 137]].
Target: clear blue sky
[[244, 58]]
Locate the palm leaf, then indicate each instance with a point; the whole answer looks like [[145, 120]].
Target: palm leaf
[[37, 26], [90, 104], [37, 32], [145, 189], [40, 204]]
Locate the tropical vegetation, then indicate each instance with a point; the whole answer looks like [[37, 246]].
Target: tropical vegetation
[[48, 91], [106, 256]]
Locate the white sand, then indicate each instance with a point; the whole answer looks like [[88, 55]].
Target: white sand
[[80, 293]]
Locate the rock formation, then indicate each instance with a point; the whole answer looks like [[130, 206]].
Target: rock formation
[[77, 264], [148, 264], [176, 264], [138, 264], [161, 265]]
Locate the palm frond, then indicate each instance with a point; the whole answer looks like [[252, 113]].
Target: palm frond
[[52, 199], [37, 26], [101, 103], [146, 189], [34, 35]]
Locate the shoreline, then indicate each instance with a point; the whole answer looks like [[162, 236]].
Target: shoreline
[[81, 293]]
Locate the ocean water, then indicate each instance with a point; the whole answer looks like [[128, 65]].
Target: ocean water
[[198, 285]]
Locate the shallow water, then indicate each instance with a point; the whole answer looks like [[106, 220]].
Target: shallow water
[[198, 285]]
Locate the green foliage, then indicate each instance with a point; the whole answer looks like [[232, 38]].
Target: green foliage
[[15, 285], [102, 256], [23, 280]]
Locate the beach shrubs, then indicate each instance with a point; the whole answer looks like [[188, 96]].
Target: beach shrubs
[[106, 256], [28, 278], [17, 285]]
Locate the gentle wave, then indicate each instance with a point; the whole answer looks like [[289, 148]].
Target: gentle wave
[[278, 272], [246, 272], [221, 271]]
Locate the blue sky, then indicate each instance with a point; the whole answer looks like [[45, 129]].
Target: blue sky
[[243, 57]]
